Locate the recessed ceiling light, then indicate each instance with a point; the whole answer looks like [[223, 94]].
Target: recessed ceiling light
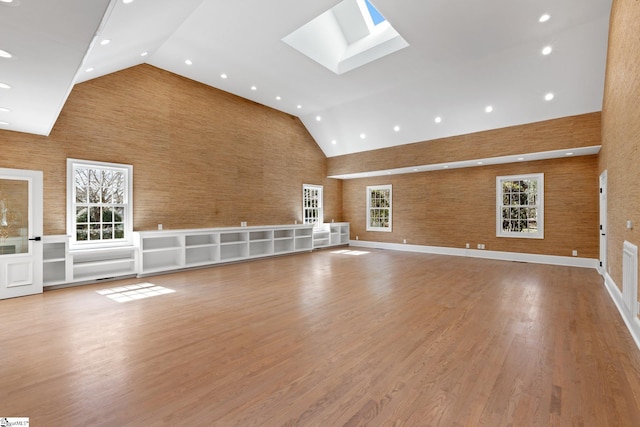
[[254, 88], [5, 54], [318, 118], [278, 98], [334, 142], [88, 70], [480, 163], [188, 62], [415, 169], [223, 76], [569, 154], [488, 109], [549, 96], [396, 128], [438, 119], [4, 123], [544, 18], [105, 42], [144, 53], [547, 50], [363, 136], [446, 167], [299, 106], [6, 1], [520, 158], [126, 1], [4, 86], [4, 110]]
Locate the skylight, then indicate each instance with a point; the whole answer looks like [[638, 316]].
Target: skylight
[[347, 36], [376, 16]]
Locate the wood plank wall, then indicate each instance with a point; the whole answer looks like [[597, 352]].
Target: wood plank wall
[[201, 157], [450, 208], [620, 155]]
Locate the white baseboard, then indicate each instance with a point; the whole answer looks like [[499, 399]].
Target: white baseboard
[[479, 253], [633, 325]]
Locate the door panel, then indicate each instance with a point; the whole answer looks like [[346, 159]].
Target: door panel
[[20, 232], [19, 273]]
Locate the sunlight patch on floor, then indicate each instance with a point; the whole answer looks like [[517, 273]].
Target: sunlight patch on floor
[[349, 252], [134, 292]]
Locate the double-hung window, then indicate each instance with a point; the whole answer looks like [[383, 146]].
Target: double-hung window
[[520, 206], [379, 208], [312, 204], [99, 203]]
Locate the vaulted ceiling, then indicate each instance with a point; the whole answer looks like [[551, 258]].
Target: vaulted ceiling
[[462, 56]]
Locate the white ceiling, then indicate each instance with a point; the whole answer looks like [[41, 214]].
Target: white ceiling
[[463, 55]]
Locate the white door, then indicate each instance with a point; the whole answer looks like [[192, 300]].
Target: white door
[[603, 223], [20, 233]]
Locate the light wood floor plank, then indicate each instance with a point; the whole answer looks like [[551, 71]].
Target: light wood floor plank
[[326, 339]]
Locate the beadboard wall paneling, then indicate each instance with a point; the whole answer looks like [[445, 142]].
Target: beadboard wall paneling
[[201, 157], [450, 208], [620, 154], [558, 134]]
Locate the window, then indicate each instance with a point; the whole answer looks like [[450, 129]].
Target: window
[[99, 208], [312, 204], [379, 208], [376, 16], [520, 206]]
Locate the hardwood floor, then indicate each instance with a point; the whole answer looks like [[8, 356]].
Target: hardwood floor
[[327, 339]]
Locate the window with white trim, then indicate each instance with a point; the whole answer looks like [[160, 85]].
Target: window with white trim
[[520, 206], [379, 210], [312, 201], [99, 203]]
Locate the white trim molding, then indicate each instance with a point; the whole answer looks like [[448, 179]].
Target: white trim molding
[[478, 253], [633, 324]]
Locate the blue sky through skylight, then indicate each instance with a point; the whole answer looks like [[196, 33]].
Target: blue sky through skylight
[[375, 15]]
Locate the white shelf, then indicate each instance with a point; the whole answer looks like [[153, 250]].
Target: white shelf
[[178, 249], [55, 260], [102, 263], [331, 234]]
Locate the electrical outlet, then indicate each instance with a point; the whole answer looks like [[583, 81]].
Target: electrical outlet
[[468, 246], [356, 237], [404, 241], [574, 252], [159, 226], [479, 246]]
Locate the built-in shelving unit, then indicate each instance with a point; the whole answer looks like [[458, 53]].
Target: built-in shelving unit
[[162, 251], [103, 263], [177, 249], [304, 239], [63, 266], [54, 260], [331, 234]]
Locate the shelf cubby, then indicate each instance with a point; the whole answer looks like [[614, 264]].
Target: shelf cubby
[[200, 255], [161, 243], [261, 247], [283, 245], [233, 237], [232, 251], [208, 239]]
